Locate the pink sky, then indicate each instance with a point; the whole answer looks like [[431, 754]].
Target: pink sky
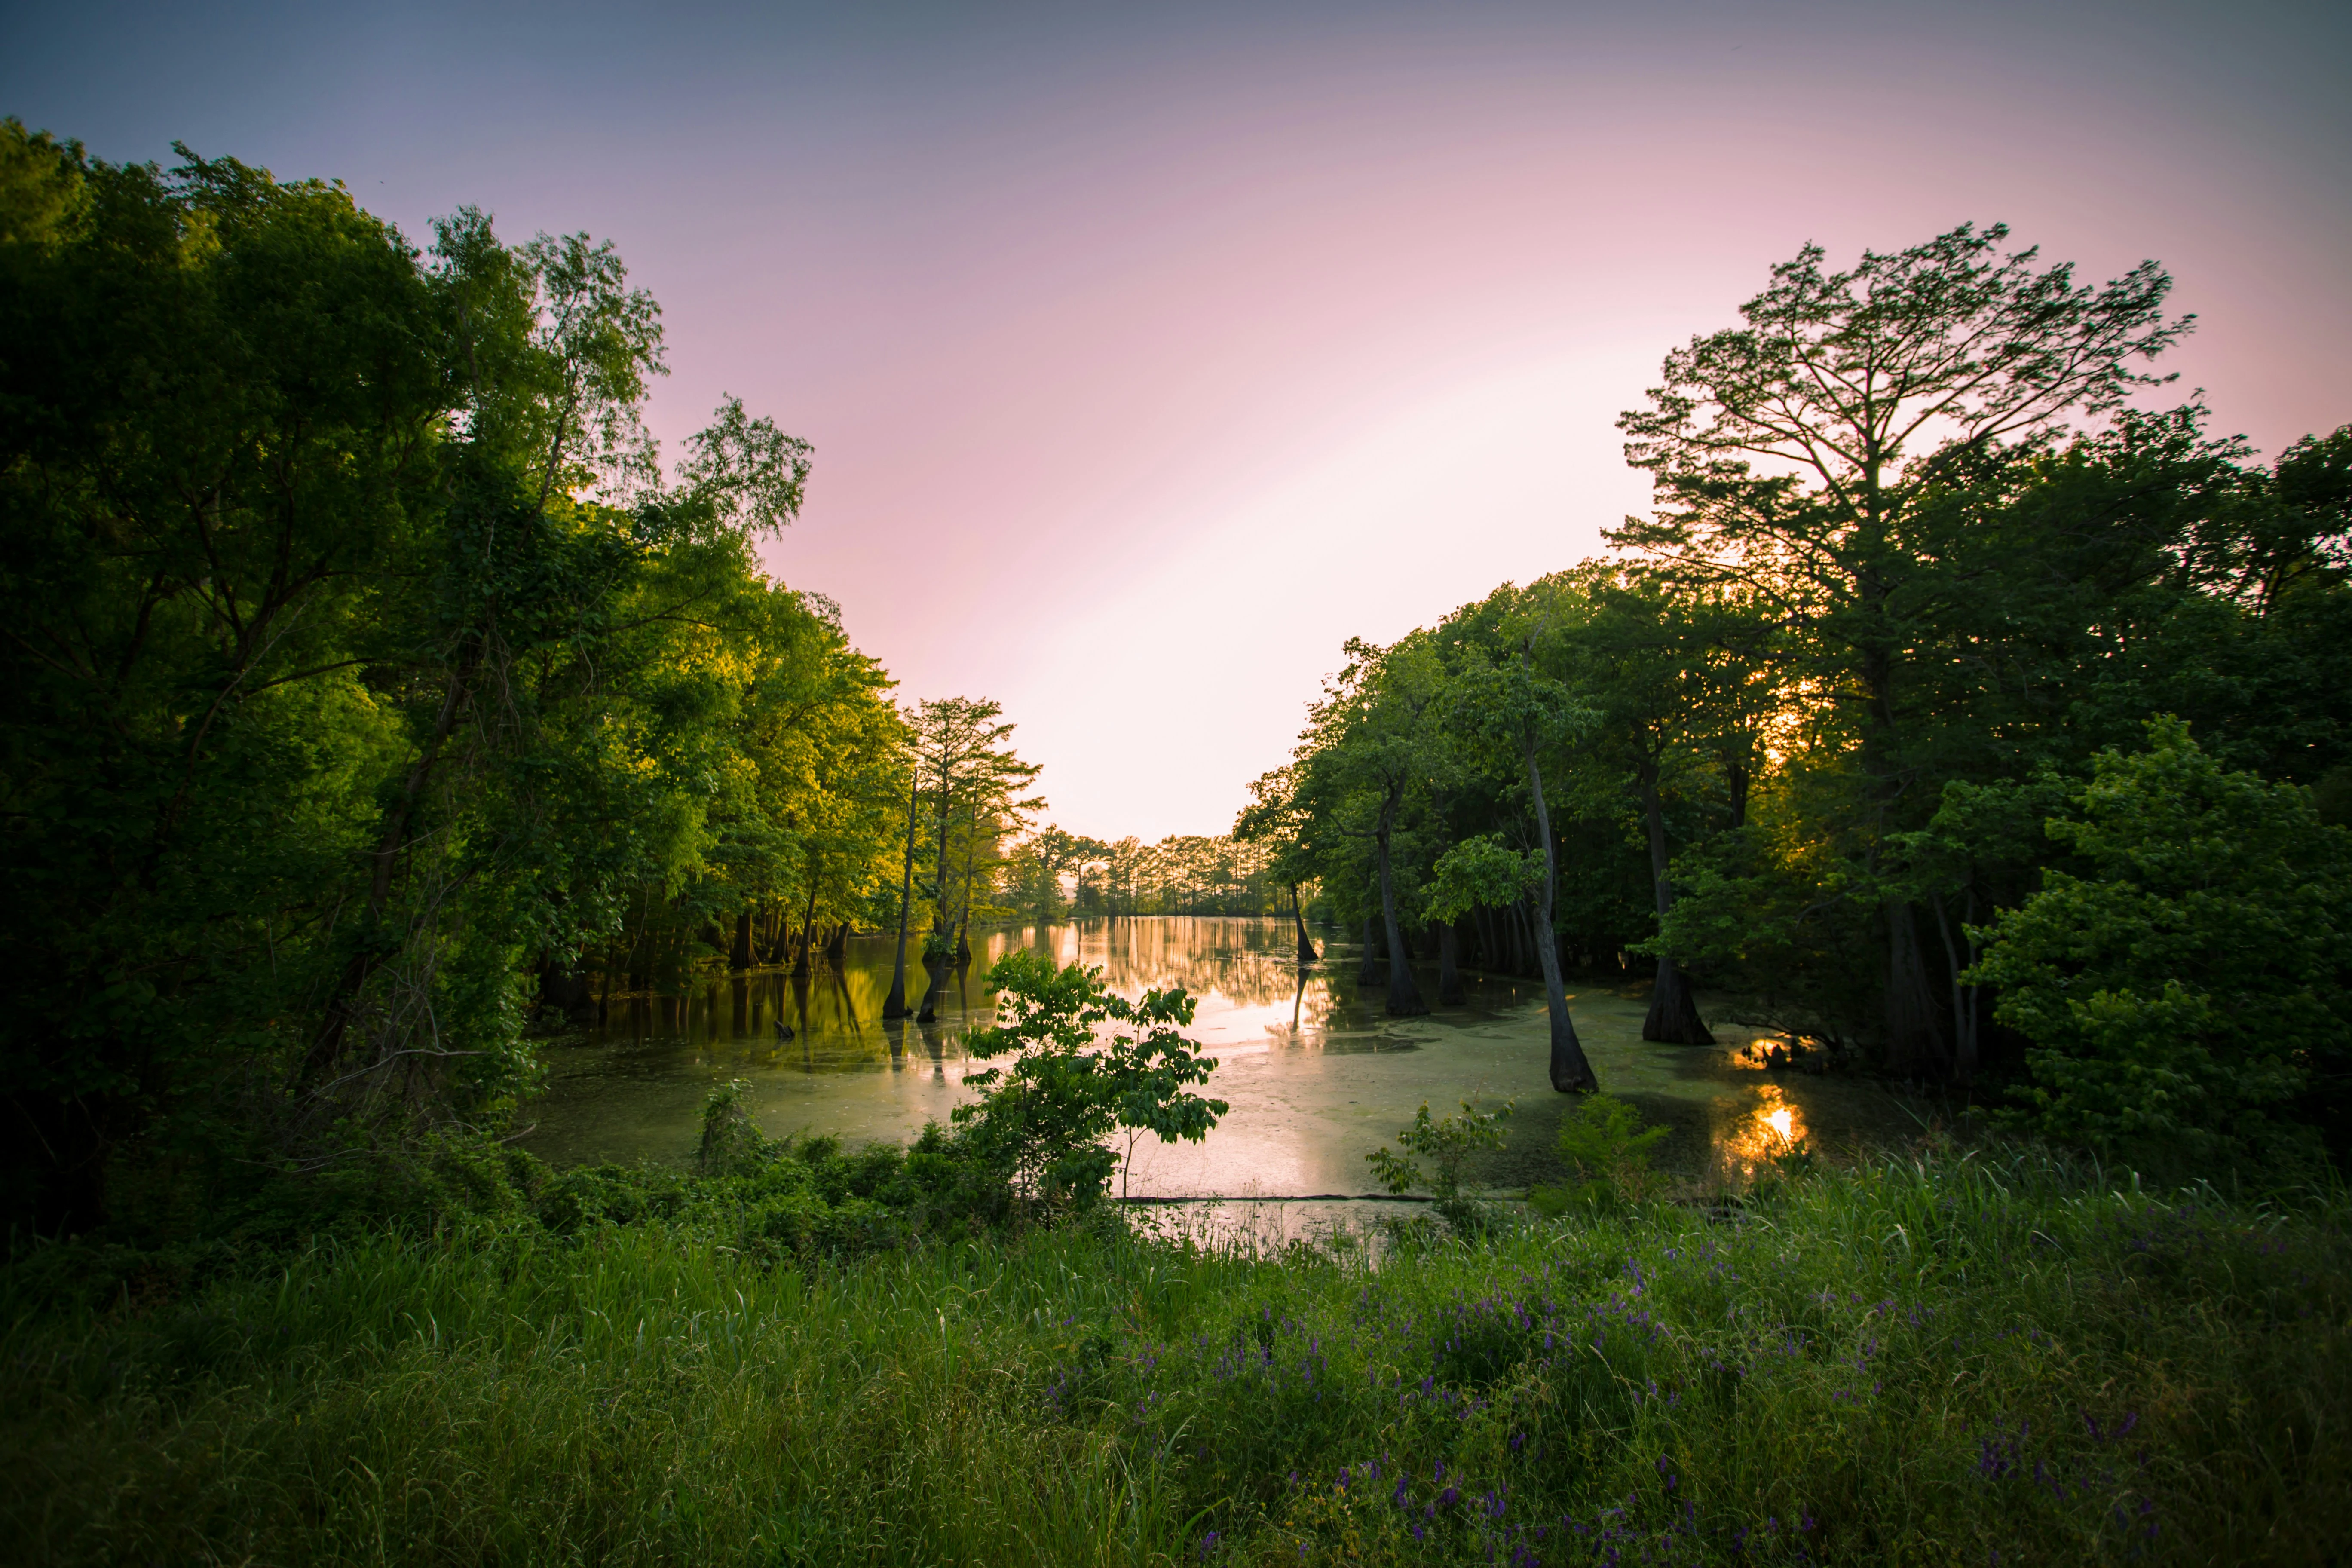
[[1146, 361]]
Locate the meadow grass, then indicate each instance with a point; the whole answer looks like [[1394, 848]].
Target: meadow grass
[[1939, 1359]]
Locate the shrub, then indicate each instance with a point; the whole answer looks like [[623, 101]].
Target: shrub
[[2197, 986], [1604, 1143], [1086, 1063]]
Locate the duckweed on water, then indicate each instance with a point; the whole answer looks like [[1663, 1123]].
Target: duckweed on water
[[1943, 1359]]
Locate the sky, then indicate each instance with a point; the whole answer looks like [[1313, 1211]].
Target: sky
[[1149, 353]]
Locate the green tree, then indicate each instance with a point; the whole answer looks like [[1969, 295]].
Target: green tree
[[1086, 1063], [2195, 983], [1802, 456]]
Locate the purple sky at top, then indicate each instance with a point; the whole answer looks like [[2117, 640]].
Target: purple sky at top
[[1148, 355]]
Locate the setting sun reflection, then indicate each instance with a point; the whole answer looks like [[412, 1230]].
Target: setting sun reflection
[[1768, 1127]]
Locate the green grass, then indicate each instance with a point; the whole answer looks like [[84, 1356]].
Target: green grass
[[1940, 1360]]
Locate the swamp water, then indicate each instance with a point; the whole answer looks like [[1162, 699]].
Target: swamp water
[[1315, 1072]]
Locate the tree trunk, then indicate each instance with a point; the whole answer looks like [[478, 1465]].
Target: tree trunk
[[895, 1005], [963, 913], [740, 958], [1915, 1045], [1404, 992], [1306, 953], [1674, 1012], [1571, 1072], [1449, 977], [342, 1002], [836, 952], [1369, 969], [808, 931], [939, 980], [1964, 997]]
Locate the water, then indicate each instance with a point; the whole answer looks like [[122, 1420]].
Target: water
[[1316, 1074]]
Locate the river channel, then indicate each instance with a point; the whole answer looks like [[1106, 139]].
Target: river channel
[[1315, 1071]]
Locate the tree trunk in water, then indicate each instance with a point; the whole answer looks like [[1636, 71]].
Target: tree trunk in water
[[1404, 992], [740, 957], [963, 912], [895, 1005], [808, 933], [1571, 1072], [1915, 1045], [1306, 953], [1370, 969], [837, 950], [1449, 977], [1674, 1012]]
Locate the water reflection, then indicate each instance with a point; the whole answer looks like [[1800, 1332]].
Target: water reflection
[[1756, 1128], [1316, 1073], [1248, 988]]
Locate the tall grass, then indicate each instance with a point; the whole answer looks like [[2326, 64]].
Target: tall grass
[[1938, 1360]]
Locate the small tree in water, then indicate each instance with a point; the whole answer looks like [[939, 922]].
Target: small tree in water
[[1086, 1063], [1446, 1143]]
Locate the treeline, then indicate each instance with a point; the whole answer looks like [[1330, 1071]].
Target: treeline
[[367, 681], [1967, 719], [1052, 875]]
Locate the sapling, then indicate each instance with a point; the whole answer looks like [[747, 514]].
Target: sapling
[[1604, 1143], [1447, 1144]]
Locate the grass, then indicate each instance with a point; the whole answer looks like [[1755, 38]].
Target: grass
[[1943, 1359]]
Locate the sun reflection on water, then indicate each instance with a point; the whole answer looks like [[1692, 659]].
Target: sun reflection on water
[[1769, 1127]]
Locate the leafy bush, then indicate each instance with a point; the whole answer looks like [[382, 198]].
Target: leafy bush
[[1604, 1143], [1447, 1144], [2197, 986], [1044, 1121]]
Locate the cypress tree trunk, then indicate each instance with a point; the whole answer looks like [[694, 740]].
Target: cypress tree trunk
[[1571, 1072], [1449, 977], [1915, 1045], [1404, 992], [1673, 1012], [1369, 970], [895, 1005], [740, 957], [1306, 953], [808, 932]]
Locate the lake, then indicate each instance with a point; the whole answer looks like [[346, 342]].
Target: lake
[[1316, 1074]]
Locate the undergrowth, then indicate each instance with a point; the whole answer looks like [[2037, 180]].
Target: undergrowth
[[1936, 1359]]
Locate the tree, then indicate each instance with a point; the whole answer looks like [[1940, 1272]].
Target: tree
[[2195, 982], [1513, 708], [1280, 820], [366, 668], [1797, 455], [1086, 1063], [1370, 743]]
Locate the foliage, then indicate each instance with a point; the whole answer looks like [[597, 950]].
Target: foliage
[[1479, 873], [1917, 554], [1448, 1143], [1604, 1143], [368, 678], [1909, 1362], [1087, 1062], [2194, 983]]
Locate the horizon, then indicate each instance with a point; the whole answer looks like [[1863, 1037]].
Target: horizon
[[1258, 333]]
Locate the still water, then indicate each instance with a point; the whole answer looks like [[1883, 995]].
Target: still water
[[1316, 1074]]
